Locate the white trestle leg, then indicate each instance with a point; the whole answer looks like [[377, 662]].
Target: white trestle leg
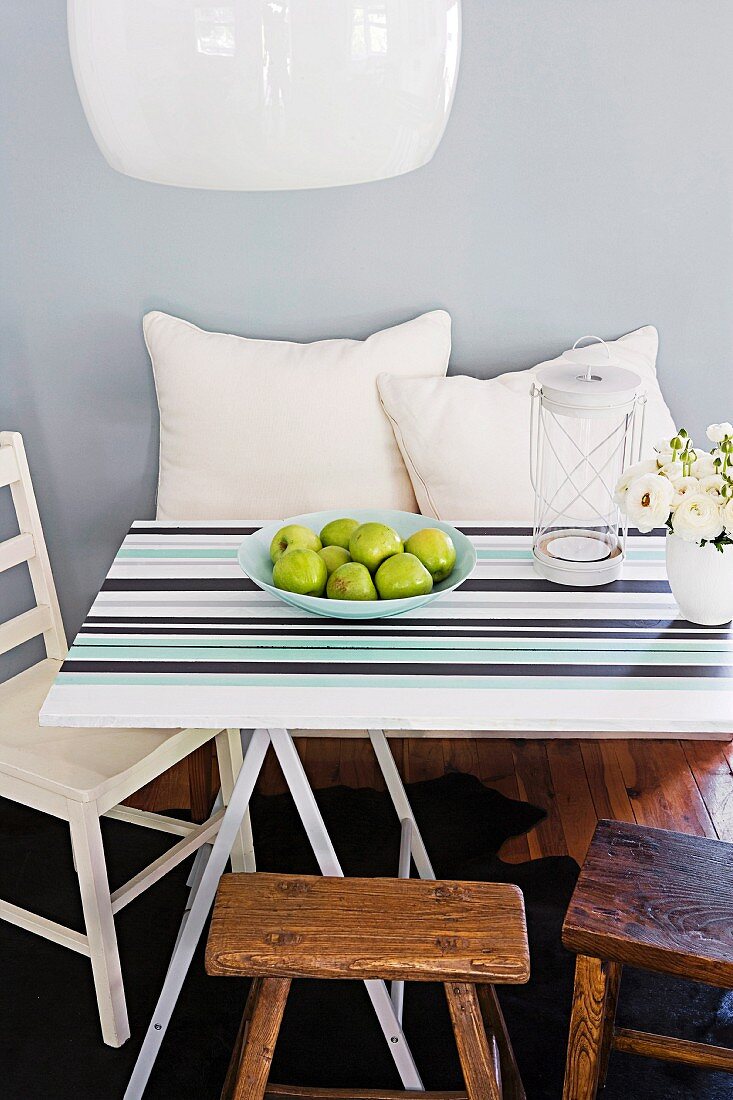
[[397, 793], [196, 919], [310, 815], [397, 988]]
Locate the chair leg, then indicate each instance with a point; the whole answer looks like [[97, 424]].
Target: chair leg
[[474, 1051], [200, 790], [262, 1029], [596, 986], [91, 869], [493, 1017], [229, 756]]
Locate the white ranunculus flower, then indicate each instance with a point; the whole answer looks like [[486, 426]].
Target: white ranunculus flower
[[712, 485], [703, 466], [683, 486], [699, 516], [716, 433], [673, 470], [727, 512], [648, 466], [664, 456], [663, 445], [649, 501]]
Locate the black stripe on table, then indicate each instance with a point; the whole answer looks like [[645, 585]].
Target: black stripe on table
[[301, 631], [243, 584], [406, 668], [164, 531], [448, 622]]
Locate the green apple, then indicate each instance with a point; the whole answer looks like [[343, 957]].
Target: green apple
[[293, 537], [435, 550], [302, 571], [334, 556], [338, 532], [373, 543], [401, 576], [351, 582]]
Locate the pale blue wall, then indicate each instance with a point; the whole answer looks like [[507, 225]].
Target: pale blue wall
[[585, 184]]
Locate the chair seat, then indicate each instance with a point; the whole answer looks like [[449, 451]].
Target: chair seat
[[656, 900], [395, 929], [76, 763]]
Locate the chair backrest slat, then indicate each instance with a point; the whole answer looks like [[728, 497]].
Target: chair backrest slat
[[16, 550], [24, 627], [28, 546]]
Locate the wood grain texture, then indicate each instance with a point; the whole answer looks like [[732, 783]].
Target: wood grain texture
[[606, 781], [259, 1045], [673, 1050], [495, 1025], [587, 1023], [233, 1069], [684, 787], [572, 794], [201, 792], [496, 770], [656, 900], [474, 1052], [535, 785], [396, 929], [714, 777], [424, 759], [661, 787]]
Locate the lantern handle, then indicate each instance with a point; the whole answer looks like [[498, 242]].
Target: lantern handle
[[588, 373]]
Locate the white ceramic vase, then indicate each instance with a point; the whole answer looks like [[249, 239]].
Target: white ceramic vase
[[701, 579]]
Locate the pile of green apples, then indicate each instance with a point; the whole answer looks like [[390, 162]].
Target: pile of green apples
[[349, 560]]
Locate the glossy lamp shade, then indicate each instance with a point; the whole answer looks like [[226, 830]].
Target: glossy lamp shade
[[265, 94]]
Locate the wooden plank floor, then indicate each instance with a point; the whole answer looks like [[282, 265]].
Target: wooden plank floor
[[681, 785]]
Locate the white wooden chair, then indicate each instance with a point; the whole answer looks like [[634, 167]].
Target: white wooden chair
[[81, 775]]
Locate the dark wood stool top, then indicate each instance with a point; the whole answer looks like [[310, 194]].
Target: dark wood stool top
[[395, 929], [656, 900]]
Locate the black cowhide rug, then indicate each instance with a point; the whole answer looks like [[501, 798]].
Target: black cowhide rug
[[50, 1045]]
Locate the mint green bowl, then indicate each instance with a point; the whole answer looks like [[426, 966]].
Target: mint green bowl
[[254, 559]]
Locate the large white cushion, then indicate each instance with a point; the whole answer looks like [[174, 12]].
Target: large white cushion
[[268, 428], [465, 441]]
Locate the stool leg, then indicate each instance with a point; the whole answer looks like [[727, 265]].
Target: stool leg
[[260, 1038], [474, 1051], [613, 985], [493, 1017], [589, 1041], [233, 1069]]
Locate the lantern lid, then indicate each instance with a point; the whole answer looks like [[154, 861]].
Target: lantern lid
[[588, 378]]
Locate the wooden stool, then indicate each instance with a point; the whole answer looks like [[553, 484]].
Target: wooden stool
[[467, 935], [654, 900]]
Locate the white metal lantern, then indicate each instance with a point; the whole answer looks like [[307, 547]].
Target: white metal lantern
[[587, 427], [250, 95]]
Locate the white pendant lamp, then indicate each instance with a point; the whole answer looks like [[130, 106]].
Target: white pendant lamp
[[256, 95]]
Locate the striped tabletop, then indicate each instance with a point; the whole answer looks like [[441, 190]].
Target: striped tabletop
[[178, 636]]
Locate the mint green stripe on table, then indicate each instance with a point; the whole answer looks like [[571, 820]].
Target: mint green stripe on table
[[204, 644], [526, 555], [501, 683], [340, 653]]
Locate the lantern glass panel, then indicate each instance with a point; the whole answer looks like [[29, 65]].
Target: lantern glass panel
[[580, 459]]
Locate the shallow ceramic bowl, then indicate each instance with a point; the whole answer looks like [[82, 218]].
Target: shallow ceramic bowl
[[254, 558]]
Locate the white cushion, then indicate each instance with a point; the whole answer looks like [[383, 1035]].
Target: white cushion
[[268, 428], [465, 441]]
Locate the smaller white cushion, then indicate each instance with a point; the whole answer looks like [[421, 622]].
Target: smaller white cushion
[[268, 428], [465, 441]]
